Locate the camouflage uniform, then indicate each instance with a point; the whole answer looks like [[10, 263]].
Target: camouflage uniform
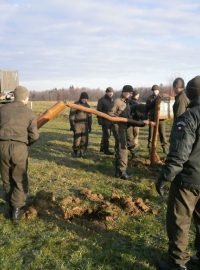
[[121, 108], [80, 124], [18, 128]]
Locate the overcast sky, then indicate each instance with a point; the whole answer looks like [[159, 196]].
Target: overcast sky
[[93, 43]]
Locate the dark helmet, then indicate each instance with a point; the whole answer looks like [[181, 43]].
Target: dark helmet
[[179, 83], [127, 88], [193, 88], [84, 95]]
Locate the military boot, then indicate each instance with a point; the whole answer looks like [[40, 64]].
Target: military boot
[[82, 153], [101, 148], [117, 173], [75, 153], [195, 259], [108, 152], [17, 214], [164, 265], [125, 176]]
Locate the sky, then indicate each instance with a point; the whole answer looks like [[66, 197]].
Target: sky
[[96, 44]]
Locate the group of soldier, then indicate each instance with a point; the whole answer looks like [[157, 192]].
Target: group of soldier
[[18, 130], [126, 135]]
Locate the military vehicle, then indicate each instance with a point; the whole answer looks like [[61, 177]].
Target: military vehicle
[[9, 80]]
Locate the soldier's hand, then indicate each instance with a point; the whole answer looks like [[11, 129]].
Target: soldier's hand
[[148, 122], [160, 186], [89, 130]]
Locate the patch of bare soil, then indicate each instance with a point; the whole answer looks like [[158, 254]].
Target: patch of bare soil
[[100, 212]]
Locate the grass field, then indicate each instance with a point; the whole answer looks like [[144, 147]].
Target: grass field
[[102, 233]]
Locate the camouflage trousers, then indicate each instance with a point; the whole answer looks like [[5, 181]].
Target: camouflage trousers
[[13, 168], [80, 137]]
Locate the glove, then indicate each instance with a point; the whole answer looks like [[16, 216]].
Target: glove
[[160, 185], [89, 129]]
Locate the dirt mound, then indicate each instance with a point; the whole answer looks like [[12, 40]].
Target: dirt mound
[[132, 207], [98, 210], [91, 195]]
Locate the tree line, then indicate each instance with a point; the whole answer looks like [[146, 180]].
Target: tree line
[[73, 93]]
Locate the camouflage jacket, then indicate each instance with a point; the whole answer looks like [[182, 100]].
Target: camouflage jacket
[[76, 116], [183, 162], [18, 123]]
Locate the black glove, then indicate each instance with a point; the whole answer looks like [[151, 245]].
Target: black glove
[[89, 129], [160, 185]]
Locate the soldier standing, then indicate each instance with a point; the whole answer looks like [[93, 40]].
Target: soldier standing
[[80, 124], [182, 169], [18, 129], [181, 101], [121, 108], [151, 104], [133, 132], [104, 105]]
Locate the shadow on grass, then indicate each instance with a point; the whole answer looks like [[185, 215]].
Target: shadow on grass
[[47, 149]]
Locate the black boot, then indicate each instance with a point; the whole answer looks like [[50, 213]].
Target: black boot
[[75, 153], [101, 149], [117, 173], [82, 154], [17, 214], [195, 259], [165, 265], [108, 152], [125, 176]]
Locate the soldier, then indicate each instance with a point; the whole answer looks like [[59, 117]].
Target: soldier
[[18, 129], [182, 169], [104, 105], [181, 100], [121, 108], [80, 124], [151, 103], [133, 132]]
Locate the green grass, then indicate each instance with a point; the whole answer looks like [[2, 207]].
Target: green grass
[[50, 242]]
